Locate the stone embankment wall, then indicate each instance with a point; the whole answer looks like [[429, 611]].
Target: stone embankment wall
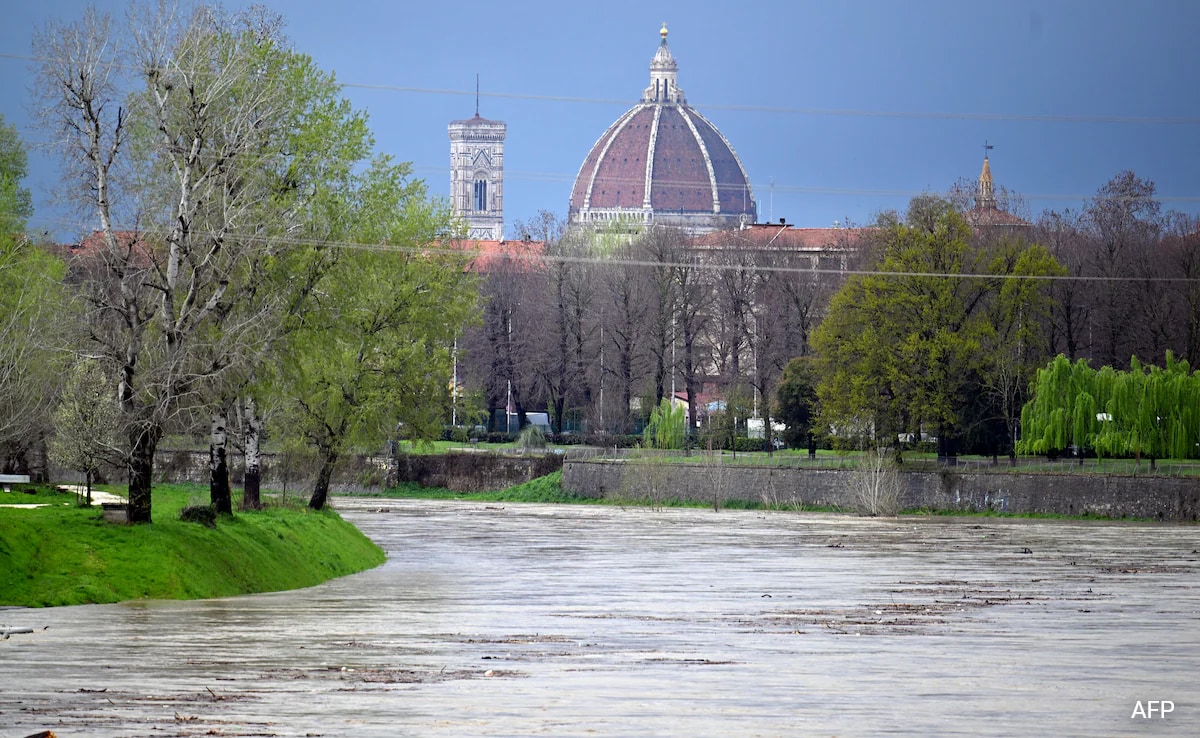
[[1158, 498], [475, 472], [462, 472]]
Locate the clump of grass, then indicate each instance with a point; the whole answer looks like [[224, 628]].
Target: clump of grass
[[531, 439], [542, 489]]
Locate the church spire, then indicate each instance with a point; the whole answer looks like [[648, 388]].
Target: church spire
[[664, 73], [985, 196]]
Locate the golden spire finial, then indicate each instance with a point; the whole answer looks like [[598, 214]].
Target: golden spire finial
[[663, 32]]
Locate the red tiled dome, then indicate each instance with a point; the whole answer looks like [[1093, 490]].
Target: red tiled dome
[[663, 162]]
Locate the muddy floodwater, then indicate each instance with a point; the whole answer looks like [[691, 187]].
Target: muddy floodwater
[[517, 620]]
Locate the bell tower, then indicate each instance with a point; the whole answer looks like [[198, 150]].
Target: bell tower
[[477, 174]]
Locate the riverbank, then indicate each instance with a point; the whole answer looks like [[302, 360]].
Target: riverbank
[[62, 554], [946, 491]]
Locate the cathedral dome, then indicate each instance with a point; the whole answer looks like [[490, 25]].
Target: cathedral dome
[[663, 162]]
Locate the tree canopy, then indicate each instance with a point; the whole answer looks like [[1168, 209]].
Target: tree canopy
[[371, 350], [905, 349]]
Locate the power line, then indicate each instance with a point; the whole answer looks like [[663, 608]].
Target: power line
[[800, 189], [542, 257], [772, 109]]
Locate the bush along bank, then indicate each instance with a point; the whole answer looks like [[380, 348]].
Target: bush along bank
[[62, 554]]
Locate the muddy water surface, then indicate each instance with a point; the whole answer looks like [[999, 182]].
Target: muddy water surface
[[515, 620]]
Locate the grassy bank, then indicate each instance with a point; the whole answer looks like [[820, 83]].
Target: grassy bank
[[66, 555], [543, 489], [549, 489]]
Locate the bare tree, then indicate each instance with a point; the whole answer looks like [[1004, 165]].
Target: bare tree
[[496, 354], [1070, 315], [1181, 257], [875, 484], [624, 310], [663, 248], [172, 167], [1123, 221], [562, 348], [694, 300]]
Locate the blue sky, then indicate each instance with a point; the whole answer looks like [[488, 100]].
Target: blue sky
[[849, 107]]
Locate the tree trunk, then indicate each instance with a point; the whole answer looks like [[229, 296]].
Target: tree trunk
[[218, 466], [320, 494], [251, 495], [142, 443], [559, 408]]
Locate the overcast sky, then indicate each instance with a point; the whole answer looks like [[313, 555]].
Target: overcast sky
[[838, 110]]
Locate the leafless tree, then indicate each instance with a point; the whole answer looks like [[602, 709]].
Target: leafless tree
[[497, 354], [1123, 223], [1063, 235], [875, 484], [1181, 255], [624, 309], [170, 166], [662, 248], [694, 300], [563, 347]]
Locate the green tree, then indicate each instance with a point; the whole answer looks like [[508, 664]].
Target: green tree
[[796, 400], [85, 423], [903, 350], [371, 349], [1148, 411], [32, 317], [667, 427], [15, 201], [199, 171]]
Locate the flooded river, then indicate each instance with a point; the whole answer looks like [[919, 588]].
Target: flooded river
[[518, 620]]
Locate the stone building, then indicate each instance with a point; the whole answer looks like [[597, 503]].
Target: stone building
[[477, 175], [663, 163]]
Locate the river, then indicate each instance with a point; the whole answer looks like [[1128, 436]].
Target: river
[[517, 620]]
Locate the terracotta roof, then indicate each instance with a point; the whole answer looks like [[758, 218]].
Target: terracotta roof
[[524, 255], [93, 245], [991, 217], [763, 236]]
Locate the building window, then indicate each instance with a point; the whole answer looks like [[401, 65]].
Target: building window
[[481, 194]]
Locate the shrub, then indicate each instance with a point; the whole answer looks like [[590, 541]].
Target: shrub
[[875, 484], [205, 515], [531, 437], [666, 428]]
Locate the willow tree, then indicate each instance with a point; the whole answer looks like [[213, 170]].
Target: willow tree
[[1147, 411], [667, 427]]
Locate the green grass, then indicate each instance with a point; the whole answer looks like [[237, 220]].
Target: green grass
[[549, 489], [543, 489], [67, 555]]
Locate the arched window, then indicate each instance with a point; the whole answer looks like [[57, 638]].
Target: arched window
[[481, 194]]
